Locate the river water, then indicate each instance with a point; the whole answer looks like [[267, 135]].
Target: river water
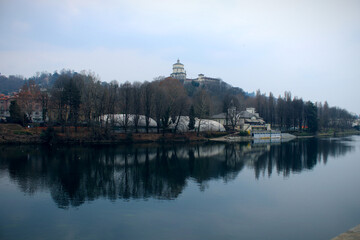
[[302, 189]]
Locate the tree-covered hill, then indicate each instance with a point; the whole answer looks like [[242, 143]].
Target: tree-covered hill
[[10, 84]]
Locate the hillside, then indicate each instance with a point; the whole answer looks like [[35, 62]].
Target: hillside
[[10, 84]]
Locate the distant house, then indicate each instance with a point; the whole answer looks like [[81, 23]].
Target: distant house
[[5, 101], [248, 120], [220, 118], [251, 121], [202, 79], [179, 73], [29, 104], [36, 114]]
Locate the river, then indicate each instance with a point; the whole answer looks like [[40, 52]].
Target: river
[[302, 189]]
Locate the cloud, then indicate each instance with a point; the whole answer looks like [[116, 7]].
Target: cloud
[[303, 46], [122, 64]]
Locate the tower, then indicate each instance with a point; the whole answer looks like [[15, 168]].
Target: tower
[[179, 72]]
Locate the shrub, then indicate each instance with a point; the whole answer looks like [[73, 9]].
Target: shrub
[[22, 133], [49, 135], [213, 134], [243, 133]]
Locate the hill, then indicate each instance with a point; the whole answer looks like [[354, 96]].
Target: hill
[[10, 84]]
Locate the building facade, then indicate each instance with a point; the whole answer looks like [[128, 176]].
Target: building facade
[[31, 107], [179, 72], [248, 120], [203, 79], [5, 106]]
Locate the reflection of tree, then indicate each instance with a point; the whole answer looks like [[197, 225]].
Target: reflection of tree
[[78, 174], [297, 156]]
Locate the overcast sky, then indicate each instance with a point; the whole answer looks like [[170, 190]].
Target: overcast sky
[[308, 47]]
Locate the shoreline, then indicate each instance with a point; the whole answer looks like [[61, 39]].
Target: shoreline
[[15, 134], [351, 234]]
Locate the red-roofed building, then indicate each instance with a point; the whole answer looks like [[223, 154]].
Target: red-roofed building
[[5, 101]]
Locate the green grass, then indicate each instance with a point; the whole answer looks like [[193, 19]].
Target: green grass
[[302, 134], [213, 134], [22, 133]]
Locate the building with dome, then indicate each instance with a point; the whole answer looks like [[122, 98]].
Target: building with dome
[[179, 72]]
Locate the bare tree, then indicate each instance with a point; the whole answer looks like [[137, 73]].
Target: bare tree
[[44, 100], [29, 98], [232, 109], [110, 97], [88, 95], [177, 100], [271, 109], [137, 104], [126, 101], [147, 93], [202, 106]]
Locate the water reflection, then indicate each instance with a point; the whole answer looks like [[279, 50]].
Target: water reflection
[[74, 175]]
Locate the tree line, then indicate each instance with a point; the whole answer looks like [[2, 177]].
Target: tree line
[[74, 99], [293, 113]]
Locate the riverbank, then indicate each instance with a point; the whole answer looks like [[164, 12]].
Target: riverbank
[[329, 133], [16, 134], [338, 133]]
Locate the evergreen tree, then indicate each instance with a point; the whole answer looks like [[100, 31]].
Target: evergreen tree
[[311, 115], [16, 115], [192, 118]]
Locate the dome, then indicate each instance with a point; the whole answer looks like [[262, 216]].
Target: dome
[[178, 63]]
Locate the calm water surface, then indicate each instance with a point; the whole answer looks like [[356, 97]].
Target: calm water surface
[[303, 189]]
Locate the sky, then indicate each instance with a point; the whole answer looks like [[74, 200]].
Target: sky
[[308, 47]]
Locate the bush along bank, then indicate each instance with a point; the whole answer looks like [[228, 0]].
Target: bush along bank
[[13, 133]]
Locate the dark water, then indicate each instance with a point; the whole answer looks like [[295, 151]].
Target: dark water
[[306, 189]]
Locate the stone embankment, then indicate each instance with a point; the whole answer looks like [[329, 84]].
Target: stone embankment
[[237, 138], [231, 138], [287, 136], [352, 234]]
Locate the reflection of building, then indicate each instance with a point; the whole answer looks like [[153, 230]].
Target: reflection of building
[[250, 154]]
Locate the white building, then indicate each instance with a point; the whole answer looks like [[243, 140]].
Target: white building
[[248, 120], [206, 125], [179, 72], [203, 79]]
